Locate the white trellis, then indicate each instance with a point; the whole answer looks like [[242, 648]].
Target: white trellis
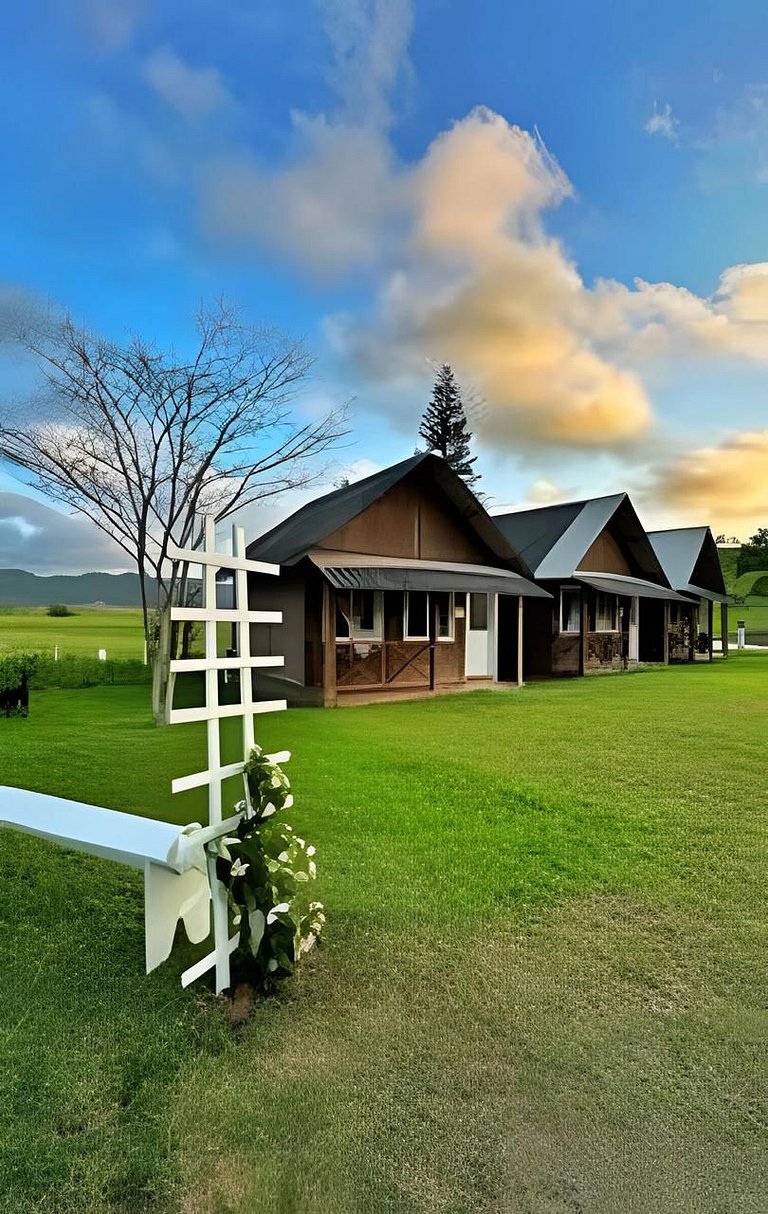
[[211, 615], [179, 877]]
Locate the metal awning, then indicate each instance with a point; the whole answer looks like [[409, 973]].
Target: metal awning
[[631, 587], [361, 571], [699, 592]]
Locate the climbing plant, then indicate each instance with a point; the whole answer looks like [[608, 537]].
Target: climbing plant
[[268, 871]]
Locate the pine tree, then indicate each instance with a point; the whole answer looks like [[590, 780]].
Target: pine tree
[[444, 426]]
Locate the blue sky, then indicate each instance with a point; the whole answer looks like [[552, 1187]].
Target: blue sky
[[411, 182]]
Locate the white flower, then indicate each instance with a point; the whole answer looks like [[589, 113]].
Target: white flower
[[311, 851], [312, 869], [238, 868], [283, 857], [268, 810], [237, 920], [280, 909]]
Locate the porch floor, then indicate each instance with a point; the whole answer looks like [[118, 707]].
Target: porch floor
[[377, 695]]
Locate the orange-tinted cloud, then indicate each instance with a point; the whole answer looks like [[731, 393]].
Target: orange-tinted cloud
[[725, 486]]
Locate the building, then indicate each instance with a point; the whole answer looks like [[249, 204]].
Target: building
[[400, 584], [692, 565], [611, 599]]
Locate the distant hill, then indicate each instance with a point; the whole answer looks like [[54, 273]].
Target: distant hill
[[728, 558], [21, 589]]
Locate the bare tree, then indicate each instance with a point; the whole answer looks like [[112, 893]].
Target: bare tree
[[141, 442]]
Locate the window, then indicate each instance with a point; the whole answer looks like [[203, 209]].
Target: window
[[570, 609], [444, 615], [603, 613], [478, 612], [359, 615], [416, 615]]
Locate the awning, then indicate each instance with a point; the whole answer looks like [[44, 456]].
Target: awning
[[360, 571], [631, 587], [699, 592]]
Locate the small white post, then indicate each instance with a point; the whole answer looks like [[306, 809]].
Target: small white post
[[55, 653], [145, 653], [102, 655]]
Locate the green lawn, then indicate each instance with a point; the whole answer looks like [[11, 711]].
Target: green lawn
[[542, 986], [116, 629], [755, 616]]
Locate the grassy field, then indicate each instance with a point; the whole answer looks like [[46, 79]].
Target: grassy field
[[116, 629], [542, 987]]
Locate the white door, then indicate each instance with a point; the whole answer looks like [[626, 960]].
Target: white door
[[634, 647], [478, 662]]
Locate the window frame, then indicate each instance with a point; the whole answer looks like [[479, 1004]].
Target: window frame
[[447, 640], [571, 589], [375, 635], [407, 635], [615, 615]]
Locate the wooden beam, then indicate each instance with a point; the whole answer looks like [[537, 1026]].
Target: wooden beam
[[666, 632], [520, 669], [584, 628], [329, 647]]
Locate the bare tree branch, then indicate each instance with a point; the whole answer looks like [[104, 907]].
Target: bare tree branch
[[140, 441]]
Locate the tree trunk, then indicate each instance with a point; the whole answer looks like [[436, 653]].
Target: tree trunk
[[162, 683]]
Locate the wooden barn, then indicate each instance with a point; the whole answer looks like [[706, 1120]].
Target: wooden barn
[[691, 562], [612, 600], [399, 584]]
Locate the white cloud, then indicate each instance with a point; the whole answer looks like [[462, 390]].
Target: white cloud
[[111, 24], [41, 540], [332, 205], [191, 91], [663, 122], [369, 41]]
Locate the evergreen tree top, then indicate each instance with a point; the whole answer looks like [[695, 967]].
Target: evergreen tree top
[[444, 426]]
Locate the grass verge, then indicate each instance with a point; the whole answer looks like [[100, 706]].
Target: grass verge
[[540, 989]]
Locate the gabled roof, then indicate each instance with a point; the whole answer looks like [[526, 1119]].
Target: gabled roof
[[555, 539], [292, 539], [690, 560]]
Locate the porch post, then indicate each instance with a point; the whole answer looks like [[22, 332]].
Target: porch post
[[584, 629], [666, 632], [724, 628], [520, 671], [710, 626], [329, 646]]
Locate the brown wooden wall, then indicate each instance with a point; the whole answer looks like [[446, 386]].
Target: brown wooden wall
[[605, 556], [407, 522]]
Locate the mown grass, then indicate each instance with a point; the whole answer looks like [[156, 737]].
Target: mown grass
[[541, 987], [117, 629]]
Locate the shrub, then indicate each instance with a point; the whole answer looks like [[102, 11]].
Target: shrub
[[267, 870], [59, 610], [15, 672], [74, 671]]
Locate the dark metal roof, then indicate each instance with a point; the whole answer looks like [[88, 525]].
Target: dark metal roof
[[290, 540], [555, 539], [533, 532], [352, 571], [630, 587], [691, 562]]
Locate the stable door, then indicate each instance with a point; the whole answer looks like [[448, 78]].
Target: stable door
[[479, 659]]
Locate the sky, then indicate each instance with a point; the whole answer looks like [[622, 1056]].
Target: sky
[[566, 202]]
